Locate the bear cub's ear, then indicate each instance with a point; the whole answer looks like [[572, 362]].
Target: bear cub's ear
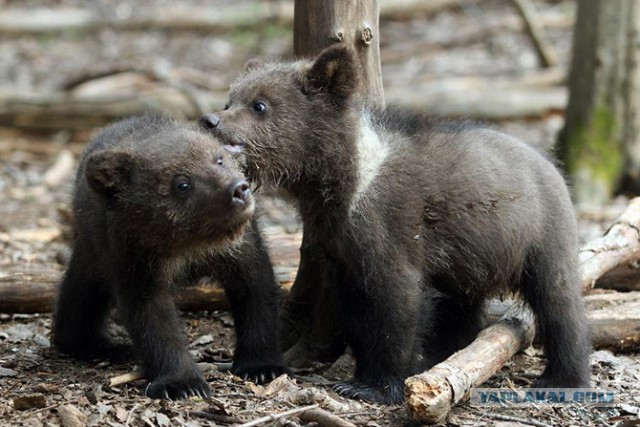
[[108, 172], [253, 64], [334, 73]]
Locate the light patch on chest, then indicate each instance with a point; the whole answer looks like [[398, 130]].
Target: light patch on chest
[[372, 150]]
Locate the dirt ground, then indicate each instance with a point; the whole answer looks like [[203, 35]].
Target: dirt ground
[[40, 387]]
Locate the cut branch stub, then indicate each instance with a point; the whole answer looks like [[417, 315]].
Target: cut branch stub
[[367, 35]]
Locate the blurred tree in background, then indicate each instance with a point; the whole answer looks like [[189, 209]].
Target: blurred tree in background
[[599, 143]]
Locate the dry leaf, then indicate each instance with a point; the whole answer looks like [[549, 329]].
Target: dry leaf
[[121, 414]]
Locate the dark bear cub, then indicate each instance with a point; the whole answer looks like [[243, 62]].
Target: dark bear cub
[[420, 221], [159, 202]]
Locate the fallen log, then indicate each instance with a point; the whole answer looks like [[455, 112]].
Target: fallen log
[[34, 290], [179, 18], [620, 245], [614, 318], [625, 278], [481, 103], [28, 293], [35, 293], [615, 321], [68, 110], [19, 21], [429, 396], [467, 36]]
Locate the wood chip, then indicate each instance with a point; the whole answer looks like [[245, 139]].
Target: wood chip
[[29, 401], [72, 416]]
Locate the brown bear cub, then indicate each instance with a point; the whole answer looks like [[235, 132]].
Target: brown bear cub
[[421, 221], [159, 202]]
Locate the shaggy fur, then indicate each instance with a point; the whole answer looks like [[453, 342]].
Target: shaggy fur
[[156, 203], [420, 221]]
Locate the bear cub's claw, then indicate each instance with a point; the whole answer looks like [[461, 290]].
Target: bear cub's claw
[[391, 392], [261, 374], [173, 388]]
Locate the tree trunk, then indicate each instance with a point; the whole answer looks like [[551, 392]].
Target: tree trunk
[[318, 24], [310, 327], [597, 144], [631, 177]]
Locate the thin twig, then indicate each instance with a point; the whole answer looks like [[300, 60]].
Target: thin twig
[[517, 420], [217, 418], [278, 416], [126, 423], [139, 375], [544, 52], [129, 377], [324, 418]]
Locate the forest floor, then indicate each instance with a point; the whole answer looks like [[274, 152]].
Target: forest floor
[[40, 387]]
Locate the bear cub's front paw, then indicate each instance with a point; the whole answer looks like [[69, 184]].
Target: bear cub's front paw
[[175, 387]]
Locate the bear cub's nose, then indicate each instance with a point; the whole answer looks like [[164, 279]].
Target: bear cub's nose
[[241, 192], [209, 121]]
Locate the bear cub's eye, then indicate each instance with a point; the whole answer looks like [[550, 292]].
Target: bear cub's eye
[[219, 161], [259, 107], [226, 106], [181, 185]]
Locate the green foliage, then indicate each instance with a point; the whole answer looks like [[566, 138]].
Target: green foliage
[[594, 158], [250, 37]]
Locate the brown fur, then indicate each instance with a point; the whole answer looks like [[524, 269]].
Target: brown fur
[[420, 221], [158, 203]]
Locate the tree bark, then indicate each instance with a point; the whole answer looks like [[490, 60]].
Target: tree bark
[[598, 144]]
